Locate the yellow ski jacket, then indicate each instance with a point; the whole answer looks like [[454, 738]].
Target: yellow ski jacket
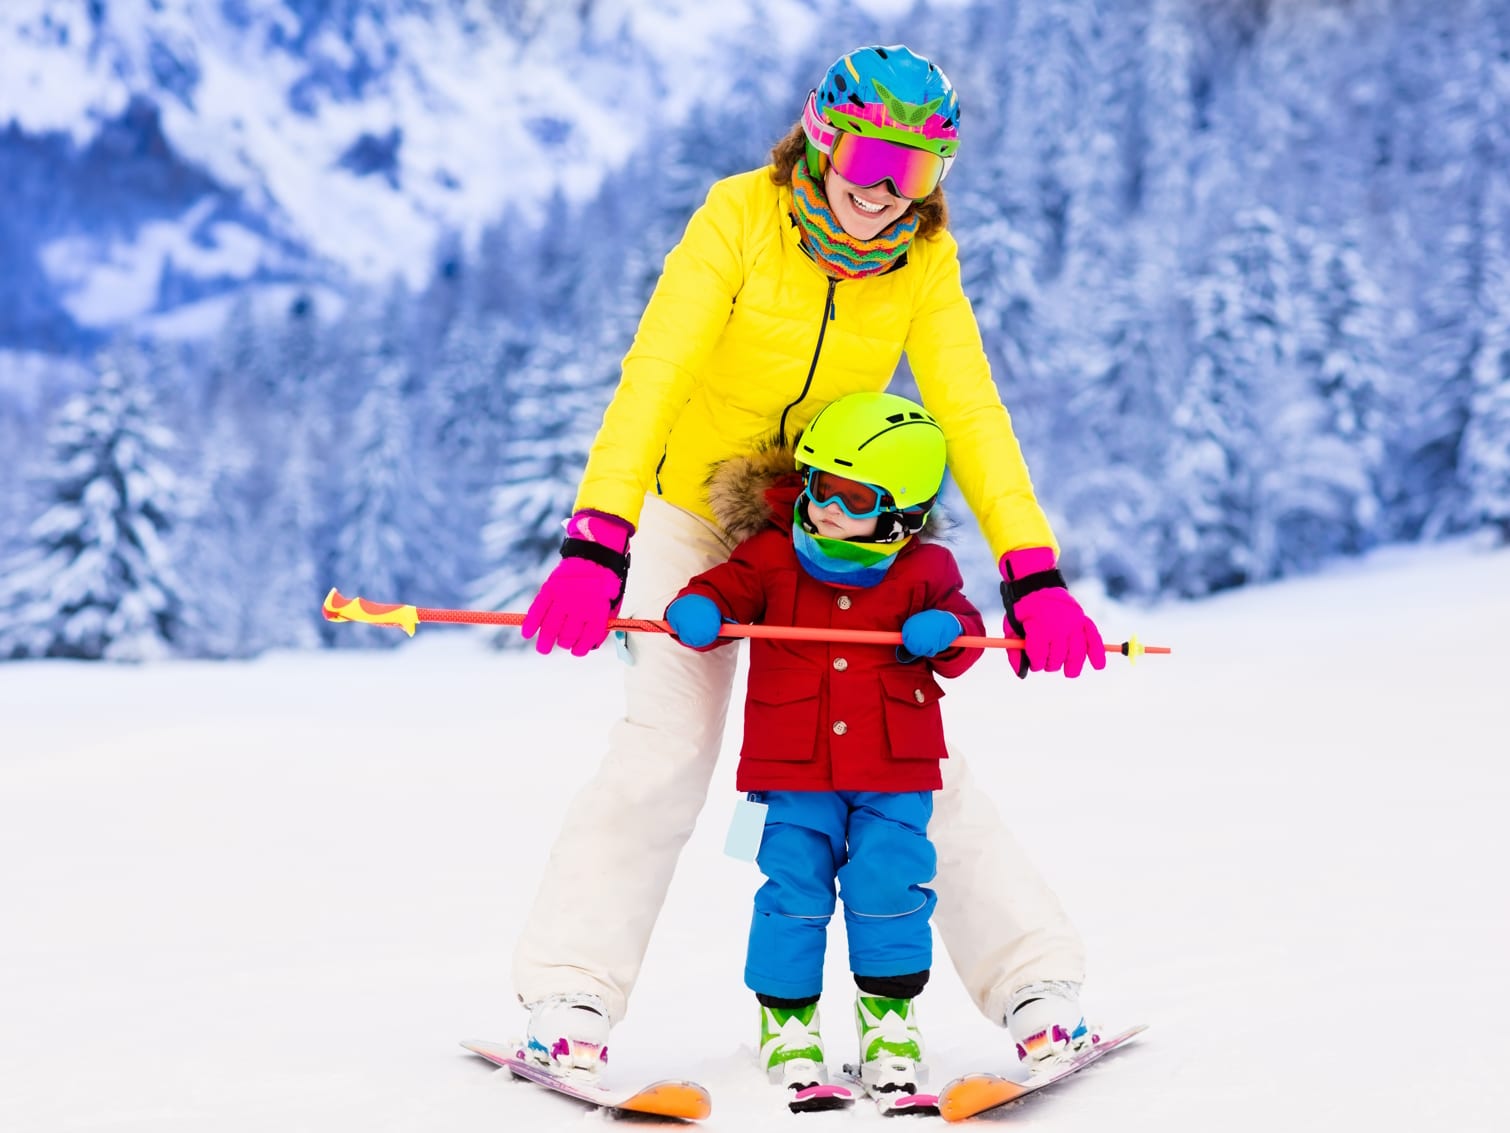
[[745, 339]]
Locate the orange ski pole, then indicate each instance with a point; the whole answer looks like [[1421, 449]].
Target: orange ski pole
[[338, 608]]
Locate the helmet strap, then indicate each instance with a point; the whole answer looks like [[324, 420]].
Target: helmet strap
[[817, 165], [890, 527]]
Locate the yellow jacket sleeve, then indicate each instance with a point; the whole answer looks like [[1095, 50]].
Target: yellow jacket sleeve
[[687, 313], [953, 376]]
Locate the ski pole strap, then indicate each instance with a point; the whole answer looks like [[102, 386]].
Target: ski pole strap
[[616, 561]]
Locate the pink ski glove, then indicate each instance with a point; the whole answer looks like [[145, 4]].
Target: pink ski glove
[[585, 588], [1056, 632]]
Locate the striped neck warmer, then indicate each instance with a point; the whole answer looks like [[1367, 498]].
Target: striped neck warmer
[[842, 562], [836, 251]]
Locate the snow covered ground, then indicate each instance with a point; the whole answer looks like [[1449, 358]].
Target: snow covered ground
[[274, 896]]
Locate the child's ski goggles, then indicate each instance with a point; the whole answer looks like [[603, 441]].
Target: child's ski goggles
[[862, 161], [855, 498]]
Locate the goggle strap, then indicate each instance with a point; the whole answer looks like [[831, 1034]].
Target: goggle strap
[[816, 127]]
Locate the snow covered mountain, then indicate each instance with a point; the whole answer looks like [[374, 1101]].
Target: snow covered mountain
[[161, 154], [1241, 270]]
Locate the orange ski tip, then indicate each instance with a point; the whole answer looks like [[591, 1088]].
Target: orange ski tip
[[671, 1099], [972, 1096], [335, 602]]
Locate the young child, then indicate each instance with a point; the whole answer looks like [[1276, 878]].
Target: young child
[[842, 742]]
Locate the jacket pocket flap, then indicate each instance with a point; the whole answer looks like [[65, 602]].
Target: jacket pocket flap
[[917, 689], [784, 687]]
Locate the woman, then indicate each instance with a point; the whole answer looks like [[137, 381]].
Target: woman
[[792, 286]]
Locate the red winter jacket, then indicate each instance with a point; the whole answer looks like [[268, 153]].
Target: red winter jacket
[[822, 716]]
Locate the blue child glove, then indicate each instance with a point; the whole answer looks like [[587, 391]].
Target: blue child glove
[[695, 620], [927, 634]]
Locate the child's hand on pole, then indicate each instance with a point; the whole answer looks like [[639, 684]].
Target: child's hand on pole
[[694, 620], [927, 634]]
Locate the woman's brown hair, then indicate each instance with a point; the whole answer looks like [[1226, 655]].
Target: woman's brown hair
[[932, 212]]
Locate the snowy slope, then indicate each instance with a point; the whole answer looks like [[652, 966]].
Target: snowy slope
[[276, 895]]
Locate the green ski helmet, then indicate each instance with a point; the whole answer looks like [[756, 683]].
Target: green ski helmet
[[881, 439]]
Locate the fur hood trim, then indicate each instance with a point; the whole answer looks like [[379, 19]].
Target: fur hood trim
[[757, 490]]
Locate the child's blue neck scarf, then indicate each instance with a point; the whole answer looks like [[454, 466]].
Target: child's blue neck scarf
[[842, 562]]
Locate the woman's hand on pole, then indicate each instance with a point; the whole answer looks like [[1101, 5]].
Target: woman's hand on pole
[[586, 587], [1057, 635]]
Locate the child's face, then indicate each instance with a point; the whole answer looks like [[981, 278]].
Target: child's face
[[832, 523]]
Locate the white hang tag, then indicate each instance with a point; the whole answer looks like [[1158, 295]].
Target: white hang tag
[[745, 831]]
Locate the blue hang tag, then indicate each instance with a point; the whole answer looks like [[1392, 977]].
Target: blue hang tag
[[745, 831], [621, 646]]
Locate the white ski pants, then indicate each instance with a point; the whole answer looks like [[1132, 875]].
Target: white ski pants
[[613, 860]]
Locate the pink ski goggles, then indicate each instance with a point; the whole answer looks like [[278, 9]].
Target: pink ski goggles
[[913, 173]]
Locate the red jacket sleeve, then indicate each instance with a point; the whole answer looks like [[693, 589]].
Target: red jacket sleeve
[[946, 591], [736, 587]]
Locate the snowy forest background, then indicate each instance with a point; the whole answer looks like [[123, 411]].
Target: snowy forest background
[[1242, 267]]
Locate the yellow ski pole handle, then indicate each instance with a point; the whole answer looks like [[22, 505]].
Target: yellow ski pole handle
[[338, 608]]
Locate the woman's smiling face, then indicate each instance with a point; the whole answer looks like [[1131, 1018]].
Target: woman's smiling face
[[863, 213]]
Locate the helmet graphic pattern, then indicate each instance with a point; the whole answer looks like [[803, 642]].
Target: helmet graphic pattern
[[890, 93], [881, 439]]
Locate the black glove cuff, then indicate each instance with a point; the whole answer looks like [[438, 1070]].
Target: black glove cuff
[[616, 561], [1014, 588]]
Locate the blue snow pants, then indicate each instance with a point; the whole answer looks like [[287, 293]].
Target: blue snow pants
[[875, 845]]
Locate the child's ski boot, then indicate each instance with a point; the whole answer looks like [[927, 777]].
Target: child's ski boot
[[791, 1051], [891, 1047]]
